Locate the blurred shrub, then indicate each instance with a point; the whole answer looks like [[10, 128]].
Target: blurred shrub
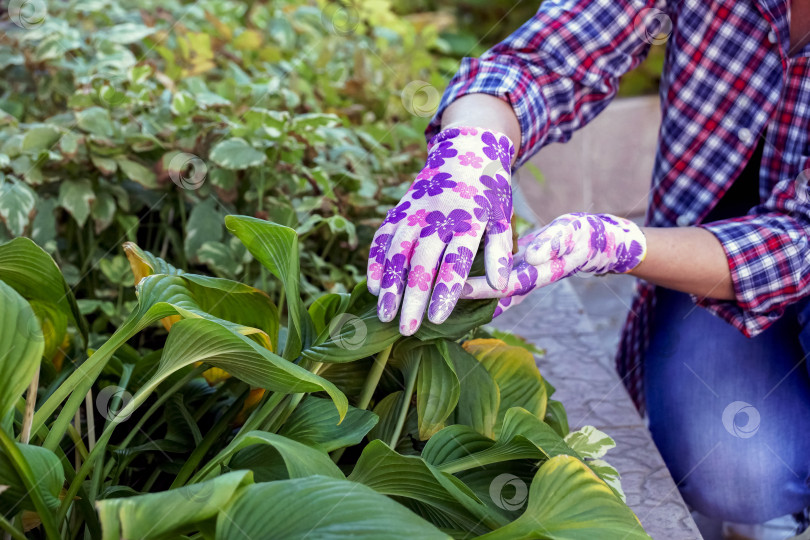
[[149, 120]]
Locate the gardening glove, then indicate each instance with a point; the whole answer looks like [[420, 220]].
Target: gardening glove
[[571, 244], [462, 194]]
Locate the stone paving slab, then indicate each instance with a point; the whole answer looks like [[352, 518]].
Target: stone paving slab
[[579, 363]]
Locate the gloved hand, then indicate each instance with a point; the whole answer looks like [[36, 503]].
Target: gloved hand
[[463, 193], [571, 244]]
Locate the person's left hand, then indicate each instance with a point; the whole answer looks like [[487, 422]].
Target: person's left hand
[[571, 244]]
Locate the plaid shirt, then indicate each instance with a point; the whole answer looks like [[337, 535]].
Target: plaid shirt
[[727, 80]]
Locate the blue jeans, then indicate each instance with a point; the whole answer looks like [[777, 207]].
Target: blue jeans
[[731, 415]]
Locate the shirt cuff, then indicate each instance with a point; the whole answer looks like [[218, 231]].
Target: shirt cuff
[[509, 83]]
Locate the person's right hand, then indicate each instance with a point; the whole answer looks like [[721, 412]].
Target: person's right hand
[[463, 193]]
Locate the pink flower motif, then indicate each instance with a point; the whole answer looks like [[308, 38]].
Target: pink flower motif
[[446, 272], [418, 218], [466, 192], [474, 228], [408, 248], [375, 270], [471, 160], [468, 131], [418, 277], [427, 173]]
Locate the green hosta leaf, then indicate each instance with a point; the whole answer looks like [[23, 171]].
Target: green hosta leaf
[[204, 224], [276, 247], [41, 137], [387, 410], [47, 472], [567, 501], [392, 474], [21, 346], [53, 323], [275, 457], [319, 507], [169, 513], [220, 259], [34, 274], [557, 418], [17, 203], [95, 120], [513, 339], [128, 32], [76, 196], [437, 391], [515, 373], [107, 166], [354, 334], [479, 397], [589, 442], [43, 228], [183, 103], [137, 172], [324, 310], [466, 316], [202, 340], [316, 423], [524, 436], [236, 154], [610, 475]]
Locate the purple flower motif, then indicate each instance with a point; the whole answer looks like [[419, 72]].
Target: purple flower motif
[[495, 205], [439, 152], [397, 214], [527, 277], [380, 248], [457, 221], [467, 289], [505, 266], [503, 303], [598, 236], [387, 308], [627, 257], [395, 272], [433, 186], [443, 300], [500, 149], [461, 261]]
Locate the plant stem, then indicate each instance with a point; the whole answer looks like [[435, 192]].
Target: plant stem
[[91, 420], [30, 404], [373, 377], [11, 531], [210, 438], [413, 371]]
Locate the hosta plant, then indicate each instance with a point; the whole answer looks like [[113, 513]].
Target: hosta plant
[[247, 419]]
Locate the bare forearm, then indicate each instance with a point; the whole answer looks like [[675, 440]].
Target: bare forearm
[[687, 259], [483, 110]]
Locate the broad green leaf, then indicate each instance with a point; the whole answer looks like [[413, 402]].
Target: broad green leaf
[[557, 418], [169, 513], [204, 224], [437, 391], [276, 247], [324, 310], [17, 203], [76, 196], [145, 264], [34, 274], [316, 423], [43, 227], [479, 397], [128, 32], [354, 334], [567, 501], [275, 457], [524, 436], [589, 442], [513, 339], [53, 323], [40, 137], [21, 346], [236, 154], [392, 474], [95, 120], [46, 469], [609, 474], [319, 507], [137, 172], [201, 340], [515, 373], [466, 316]]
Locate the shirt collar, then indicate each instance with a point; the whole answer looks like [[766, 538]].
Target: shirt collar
[[777, 13]]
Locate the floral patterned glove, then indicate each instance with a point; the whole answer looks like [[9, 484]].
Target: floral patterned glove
[[463, 193], [571, 244]]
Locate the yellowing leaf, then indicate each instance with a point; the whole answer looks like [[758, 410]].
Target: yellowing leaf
[[248, 40]]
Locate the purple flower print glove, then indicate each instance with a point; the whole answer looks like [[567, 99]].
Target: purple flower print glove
[[571, 244], [462, 194]]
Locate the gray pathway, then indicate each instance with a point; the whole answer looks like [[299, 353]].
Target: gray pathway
[[580, 339]]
